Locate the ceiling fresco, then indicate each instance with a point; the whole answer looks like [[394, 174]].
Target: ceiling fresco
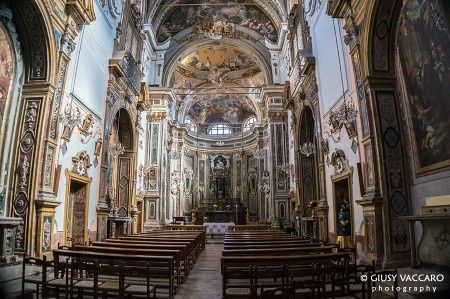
[[213, 67], [215, 18], [217, 64], [222, 108], [218, 56]]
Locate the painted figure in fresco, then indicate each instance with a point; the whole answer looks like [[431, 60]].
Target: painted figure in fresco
[[204, 15], [6, 71], [2, 102], [424, 41]]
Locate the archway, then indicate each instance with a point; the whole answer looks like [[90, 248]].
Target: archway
[[307, 161], [120, 172], [25, 114], [394, 111]]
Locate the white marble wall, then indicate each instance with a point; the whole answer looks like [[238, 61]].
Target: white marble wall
[[334, 79], [85, 88]]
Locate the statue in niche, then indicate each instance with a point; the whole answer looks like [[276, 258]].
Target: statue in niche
[[310, 208], [344, 228], [220, 165]]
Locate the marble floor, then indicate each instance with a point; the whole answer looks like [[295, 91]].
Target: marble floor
[[205, 280]]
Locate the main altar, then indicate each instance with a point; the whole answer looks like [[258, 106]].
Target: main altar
[[219, 206]]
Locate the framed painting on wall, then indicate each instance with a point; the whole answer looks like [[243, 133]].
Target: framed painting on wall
[[424, 44]]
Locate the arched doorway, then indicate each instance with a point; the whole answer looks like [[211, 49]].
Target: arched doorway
[[120, 175], [307, 161]]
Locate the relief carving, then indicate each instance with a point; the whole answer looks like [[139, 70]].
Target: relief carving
[[81, 163]]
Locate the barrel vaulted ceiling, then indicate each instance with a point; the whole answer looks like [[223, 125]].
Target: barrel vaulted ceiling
[[217, 53]]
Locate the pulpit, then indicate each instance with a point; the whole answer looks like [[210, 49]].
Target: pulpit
[[434, 245]]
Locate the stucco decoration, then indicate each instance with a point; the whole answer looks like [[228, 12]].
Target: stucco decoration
[[81, 163]]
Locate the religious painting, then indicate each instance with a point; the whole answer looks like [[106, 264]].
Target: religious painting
[[6, 70], [215, 66], [222, 108], [205, 16], [424, 47], [342, 209], [218, 55]]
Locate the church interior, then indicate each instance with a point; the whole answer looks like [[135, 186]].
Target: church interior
[[224, 149]]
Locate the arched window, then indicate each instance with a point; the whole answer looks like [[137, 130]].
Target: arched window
[[190, 125], [249, 124], [219, 129]]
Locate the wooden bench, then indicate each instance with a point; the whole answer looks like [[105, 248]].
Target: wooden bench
[[195, 245], [178, 256], [188, 248], [249, 274], [278, 251], [249, 227], [272, 245], [159, 269]]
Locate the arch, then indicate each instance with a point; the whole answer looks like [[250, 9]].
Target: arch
[[162, 12], [381, 35], [388, 148], [120, 160], [34, 35], [11, 82], [124, 126], [307, 170], [123, 108], [263, 59]]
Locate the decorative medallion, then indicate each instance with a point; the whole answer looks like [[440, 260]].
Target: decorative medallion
[[391, 137], [64, 148], [20, 203], [27, 142], [398, 202]]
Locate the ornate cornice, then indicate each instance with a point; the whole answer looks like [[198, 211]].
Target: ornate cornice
[[82, 11], [338, 8]]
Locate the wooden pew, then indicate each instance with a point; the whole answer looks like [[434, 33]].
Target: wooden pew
[[273, 271], [249, 227], [186, 256], [176, 254], [278, 251], [191, 250], [185, 227], [272, 244], [193, 243], [262, 239], [160, 267]]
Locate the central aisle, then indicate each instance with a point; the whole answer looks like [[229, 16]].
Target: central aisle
[[205, 280]]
